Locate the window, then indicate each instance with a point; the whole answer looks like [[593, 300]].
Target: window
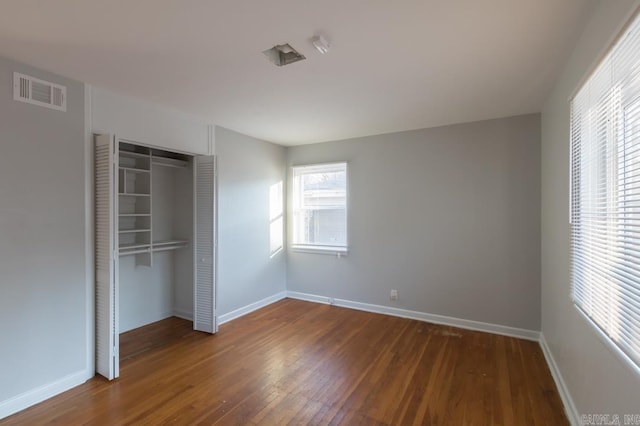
[[320, 207], [605, 196]]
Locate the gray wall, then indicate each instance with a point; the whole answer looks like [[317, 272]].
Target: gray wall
[[148, 123], [43, 318], [247, 167], [448, 216], [597, 380]]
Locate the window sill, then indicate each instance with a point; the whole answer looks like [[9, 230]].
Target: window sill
[[330, 250]]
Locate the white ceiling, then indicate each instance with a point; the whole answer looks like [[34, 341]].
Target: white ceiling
[[393, 65]]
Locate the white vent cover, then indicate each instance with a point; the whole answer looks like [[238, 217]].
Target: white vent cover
[[39, 92], [283, 54]]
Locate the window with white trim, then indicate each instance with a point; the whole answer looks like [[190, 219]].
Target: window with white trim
[[605, 195], [320, 207]]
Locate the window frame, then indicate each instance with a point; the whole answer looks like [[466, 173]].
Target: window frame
[[337, 250], [631, 358]]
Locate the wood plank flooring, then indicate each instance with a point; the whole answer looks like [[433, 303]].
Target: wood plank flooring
[[135, 342], [300, 363]]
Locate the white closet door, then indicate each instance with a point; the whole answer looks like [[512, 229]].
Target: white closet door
[[204, 318], [106, 265]]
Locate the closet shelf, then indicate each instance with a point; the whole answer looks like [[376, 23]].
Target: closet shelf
[[131, 231], [133, 154], [168, 162], [134, 215]]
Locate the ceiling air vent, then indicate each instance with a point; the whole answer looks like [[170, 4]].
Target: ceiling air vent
[[39, 92], [283, 54]]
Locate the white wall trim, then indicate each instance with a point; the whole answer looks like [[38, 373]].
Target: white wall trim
[[39, 394], [251, 307], [89, 231], [421, 316], [569, 406], [310, 297], [211, 139]]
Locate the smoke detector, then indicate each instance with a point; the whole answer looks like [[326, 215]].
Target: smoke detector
[[283, 54], [320, 43]]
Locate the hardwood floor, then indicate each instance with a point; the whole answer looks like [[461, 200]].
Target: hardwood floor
[[135, 342], [297, 362]]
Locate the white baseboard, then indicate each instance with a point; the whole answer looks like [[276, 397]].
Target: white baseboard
[[251, 307], [39, 394], [421, 316], [183, 314], [569, 406], [310, 297]]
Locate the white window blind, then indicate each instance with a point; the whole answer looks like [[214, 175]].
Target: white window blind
[[320, 207], [605, 195]]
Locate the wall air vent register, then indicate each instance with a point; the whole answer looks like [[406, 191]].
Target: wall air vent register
[[39, 92]]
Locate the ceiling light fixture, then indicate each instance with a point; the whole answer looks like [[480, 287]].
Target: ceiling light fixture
[[320, 43]]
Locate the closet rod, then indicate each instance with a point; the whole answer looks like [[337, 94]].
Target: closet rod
[[127, 253], [168, 248]]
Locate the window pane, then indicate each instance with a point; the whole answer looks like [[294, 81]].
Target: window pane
[[320, 205], [324, 189], [325, 227]]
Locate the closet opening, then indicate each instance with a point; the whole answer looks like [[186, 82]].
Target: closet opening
[[155, 217], [155, 247]]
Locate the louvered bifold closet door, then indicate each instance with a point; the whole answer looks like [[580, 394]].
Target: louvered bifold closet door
[[204, 318], [105, 261]]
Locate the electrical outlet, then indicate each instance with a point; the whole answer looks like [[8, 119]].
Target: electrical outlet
[[393, 295]]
